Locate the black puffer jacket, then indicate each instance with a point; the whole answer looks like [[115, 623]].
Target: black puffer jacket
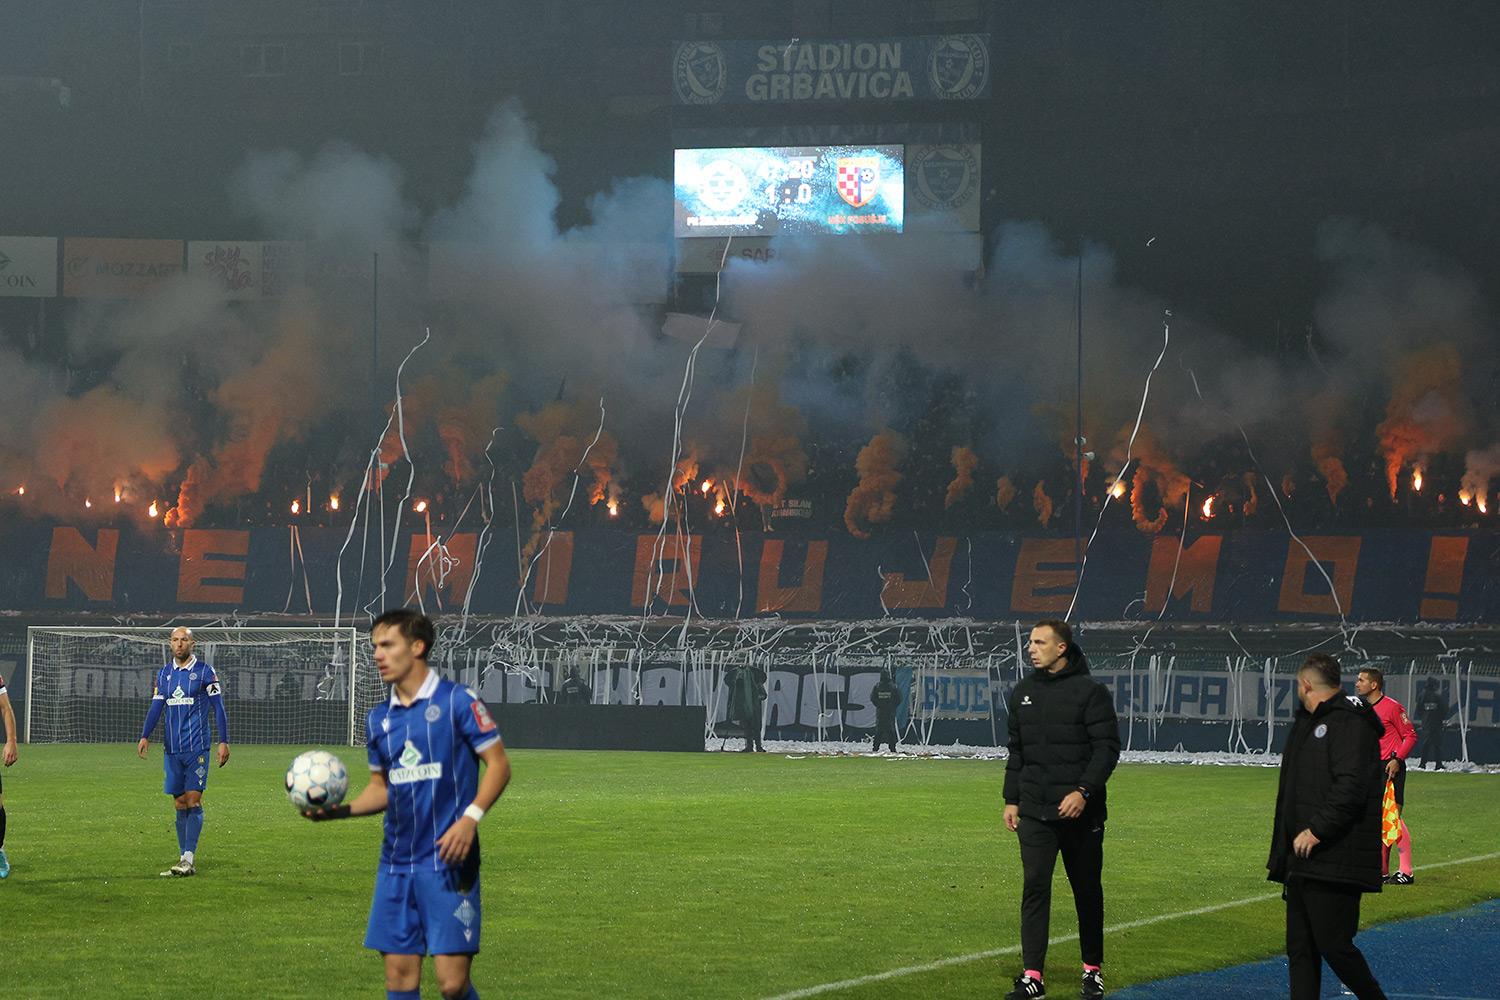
[[1063, 736], [1331, 783]]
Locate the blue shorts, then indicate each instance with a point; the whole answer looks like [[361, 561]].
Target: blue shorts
[[186, 772], [423, 913]]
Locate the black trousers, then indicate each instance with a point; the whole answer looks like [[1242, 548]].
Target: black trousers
[[885, 732], [1081, 844], [1432, 745], [1321, 920]]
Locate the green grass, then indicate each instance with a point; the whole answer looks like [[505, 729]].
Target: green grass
[[620, 875]]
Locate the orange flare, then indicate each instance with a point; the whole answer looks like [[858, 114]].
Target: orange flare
[[614, 507], [421, 507], [333, 502], [719, 507], [88, 503], [117, 494], [296, 506], [1118, 489], [1465, 497], [152, 511], [708, 484], [20, 491], [1208, 507], [1416, 480], [1483, 507]]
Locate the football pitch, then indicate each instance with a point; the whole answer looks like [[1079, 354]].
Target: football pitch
[[626, 875]]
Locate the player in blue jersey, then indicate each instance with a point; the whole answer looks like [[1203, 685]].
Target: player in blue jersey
[[9, 758], [181, 696], [425, 746]]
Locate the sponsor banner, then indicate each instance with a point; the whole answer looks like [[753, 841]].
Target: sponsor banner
[[952, 694], [247, 270], [346, 270], [117, 269], [960, 252], [942, 186], [28, 266], [794, 70]]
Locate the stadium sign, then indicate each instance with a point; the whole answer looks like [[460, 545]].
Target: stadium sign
[[914, 68], [28, 266]]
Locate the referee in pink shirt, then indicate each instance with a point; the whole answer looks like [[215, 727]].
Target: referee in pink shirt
[[1398, 741]]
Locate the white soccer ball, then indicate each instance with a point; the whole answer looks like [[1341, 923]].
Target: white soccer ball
[[316, 780]]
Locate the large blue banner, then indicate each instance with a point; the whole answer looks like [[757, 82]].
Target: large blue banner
[[1235, 577]]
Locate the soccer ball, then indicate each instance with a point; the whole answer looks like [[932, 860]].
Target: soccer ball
[[316, 780]]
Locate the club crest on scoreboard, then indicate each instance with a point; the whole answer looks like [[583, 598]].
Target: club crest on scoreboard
[[859, 179]]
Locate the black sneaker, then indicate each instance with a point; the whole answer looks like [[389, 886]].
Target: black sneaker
[[1385, 879], [1093, 985], [1401, 878], [1027, 989]]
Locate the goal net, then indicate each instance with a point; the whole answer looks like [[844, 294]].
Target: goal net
[[281, 685]]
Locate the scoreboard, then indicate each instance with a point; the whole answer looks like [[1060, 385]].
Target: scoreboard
[[807, 190]]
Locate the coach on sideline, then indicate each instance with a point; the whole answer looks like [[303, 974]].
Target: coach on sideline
[[1325, 841], [1064, 743]]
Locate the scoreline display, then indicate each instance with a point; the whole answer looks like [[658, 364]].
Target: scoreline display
[[766, 190]]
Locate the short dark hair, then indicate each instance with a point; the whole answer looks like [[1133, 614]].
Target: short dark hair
[[1376, 674], [1324, 667], [1060, 628], [412, 625]]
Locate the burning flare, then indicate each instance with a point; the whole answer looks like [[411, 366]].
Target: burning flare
[[1208, 508], [1416, 479], [1117, 490], [420, 507], [1005, 492], [333, 502], [964, 464], [873, 500], [153, 511], [296, 506]]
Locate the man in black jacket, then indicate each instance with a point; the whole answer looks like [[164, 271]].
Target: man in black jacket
[[887, 699], [1064, 743], [1325, 842], [1432, 709]]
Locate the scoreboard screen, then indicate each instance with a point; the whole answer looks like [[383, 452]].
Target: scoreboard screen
[[808, 190]]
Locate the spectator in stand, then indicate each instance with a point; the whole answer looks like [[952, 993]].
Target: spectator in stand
[[1432, 709]]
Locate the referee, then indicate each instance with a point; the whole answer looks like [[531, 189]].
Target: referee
[[1064, 743]]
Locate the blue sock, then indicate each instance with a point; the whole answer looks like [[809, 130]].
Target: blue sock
[[403, 995], [473, 994], [181, 830], [192, 828]]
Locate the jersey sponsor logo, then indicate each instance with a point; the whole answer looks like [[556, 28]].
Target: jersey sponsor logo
[[179, 697], [482, 717], [410, 756], [419, 772], [433, 713]]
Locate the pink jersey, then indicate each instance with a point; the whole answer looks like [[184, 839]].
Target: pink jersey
[[1399, 737]]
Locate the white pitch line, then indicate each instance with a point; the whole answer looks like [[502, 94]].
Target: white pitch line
[[943, 963]]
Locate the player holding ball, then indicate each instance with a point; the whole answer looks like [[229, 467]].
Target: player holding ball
[[425, 746]]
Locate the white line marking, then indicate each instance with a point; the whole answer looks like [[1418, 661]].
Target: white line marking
[[943, 963]]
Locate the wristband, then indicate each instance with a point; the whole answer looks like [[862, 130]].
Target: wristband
[[474, 812]]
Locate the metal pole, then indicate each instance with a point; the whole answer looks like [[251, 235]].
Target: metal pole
[[375, 339], [1078, 436]]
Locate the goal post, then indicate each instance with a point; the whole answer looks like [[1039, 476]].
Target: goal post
[[92, 684]]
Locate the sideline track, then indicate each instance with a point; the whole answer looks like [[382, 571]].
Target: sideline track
[[1489, 960]]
